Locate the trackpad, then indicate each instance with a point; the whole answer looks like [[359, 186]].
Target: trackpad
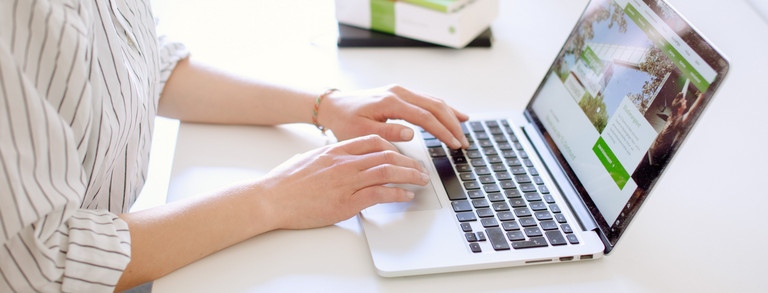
[[425, 199]]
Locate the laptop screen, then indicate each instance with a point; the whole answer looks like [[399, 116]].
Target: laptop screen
[[619, 99]]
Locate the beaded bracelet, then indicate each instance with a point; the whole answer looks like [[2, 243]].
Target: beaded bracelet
[[316, 108]]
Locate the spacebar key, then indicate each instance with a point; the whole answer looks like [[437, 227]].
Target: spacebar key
[[498, 240], [448, 177]]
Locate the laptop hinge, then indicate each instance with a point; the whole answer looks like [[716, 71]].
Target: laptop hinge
[[553, 168]]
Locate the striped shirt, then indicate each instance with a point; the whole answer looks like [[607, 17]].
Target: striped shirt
[[79, 87]]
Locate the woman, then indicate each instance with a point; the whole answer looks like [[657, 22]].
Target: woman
[[80, 84]]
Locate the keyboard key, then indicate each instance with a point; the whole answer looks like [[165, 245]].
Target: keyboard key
[[517, 170], [463, 168], [466, 217], [532, 232], [489, 222], [466, 227], [497, 238], [514, 162], [566, 228], [522, 212], [475, 247], [538, 206], [492, 123], [474, 154], [482, 171], [459, 160], [533, 171], [433, 143], [507, 184], [548, 225], [522, 179], [437, 152], [471, 237], [480, 203], [494, 159], [572, 239], [477, 163], [461, 206], [476, 126], [532, 196], [560, 218], [515, 236], [528, 187], [495, 196], [450, 182], [510, 226], [543, 216], [543, 189], [534, 242], [489, 188], [466, 176], [555, 238], [480, 236], [487, 179], [498, 168], [475, 194], [503, 176], [508, 154], [505, 216], [500, 206], [517, 202], [527, 222], [471, 185], [537, 180], [512, 193], [554, 208], [548, 198], [484, 213]]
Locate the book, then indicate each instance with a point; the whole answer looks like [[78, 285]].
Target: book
[[440, 5], [454, 29], [353, 37]]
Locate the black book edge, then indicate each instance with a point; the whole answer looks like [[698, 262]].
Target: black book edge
[[351, 37]]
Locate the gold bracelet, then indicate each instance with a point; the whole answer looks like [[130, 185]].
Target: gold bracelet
[[316, 108]]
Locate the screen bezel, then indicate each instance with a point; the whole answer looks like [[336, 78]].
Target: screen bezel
[[610, 233]]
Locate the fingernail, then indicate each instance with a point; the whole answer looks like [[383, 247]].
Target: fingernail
[[406, 134], [456, 143], [424, 177], [466, 142], [410, 195]]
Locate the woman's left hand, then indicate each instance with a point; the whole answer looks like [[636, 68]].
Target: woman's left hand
[[358, 113]]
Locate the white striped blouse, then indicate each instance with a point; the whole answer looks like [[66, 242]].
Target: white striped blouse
[[79, 86]]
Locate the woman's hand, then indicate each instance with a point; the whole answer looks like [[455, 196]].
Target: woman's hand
[[353, 114], [330, 184]]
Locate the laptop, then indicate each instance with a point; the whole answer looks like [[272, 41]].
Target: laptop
[[561, 181]]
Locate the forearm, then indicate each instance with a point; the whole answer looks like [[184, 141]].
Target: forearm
[[169, 237], [195, 93]]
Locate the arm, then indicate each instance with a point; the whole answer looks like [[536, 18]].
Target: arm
[[345, 178], [196, 93]]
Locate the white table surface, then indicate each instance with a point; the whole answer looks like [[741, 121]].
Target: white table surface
[[701, 230]]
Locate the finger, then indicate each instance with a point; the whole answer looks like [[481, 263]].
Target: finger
[[392, 131], [365, 145], [371, 160], [391, 174], [400, 109], [372, 195], [445, 117]]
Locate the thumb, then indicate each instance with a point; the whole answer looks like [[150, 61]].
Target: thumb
[[395, 132]]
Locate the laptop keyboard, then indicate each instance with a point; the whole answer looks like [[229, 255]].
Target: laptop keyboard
[[498, 197]]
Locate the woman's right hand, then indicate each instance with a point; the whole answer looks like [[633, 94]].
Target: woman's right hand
[[333, 183]]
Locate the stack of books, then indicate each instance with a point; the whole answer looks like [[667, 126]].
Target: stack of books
[[450, 23]]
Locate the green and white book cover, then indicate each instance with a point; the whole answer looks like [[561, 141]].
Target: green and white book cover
[[447, 6]]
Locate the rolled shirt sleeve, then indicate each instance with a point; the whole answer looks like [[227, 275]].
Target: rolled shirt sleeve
[[79, 86]]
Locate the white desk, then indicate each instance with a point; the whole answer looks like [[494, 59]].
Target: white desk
[[701, 230]]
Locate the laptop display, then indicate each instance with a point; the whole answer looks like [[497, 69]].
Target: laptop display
[[620, 98], [561, 180]]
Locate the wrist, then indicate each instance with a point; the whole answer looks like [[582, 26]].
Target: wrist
[[316, 109]]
